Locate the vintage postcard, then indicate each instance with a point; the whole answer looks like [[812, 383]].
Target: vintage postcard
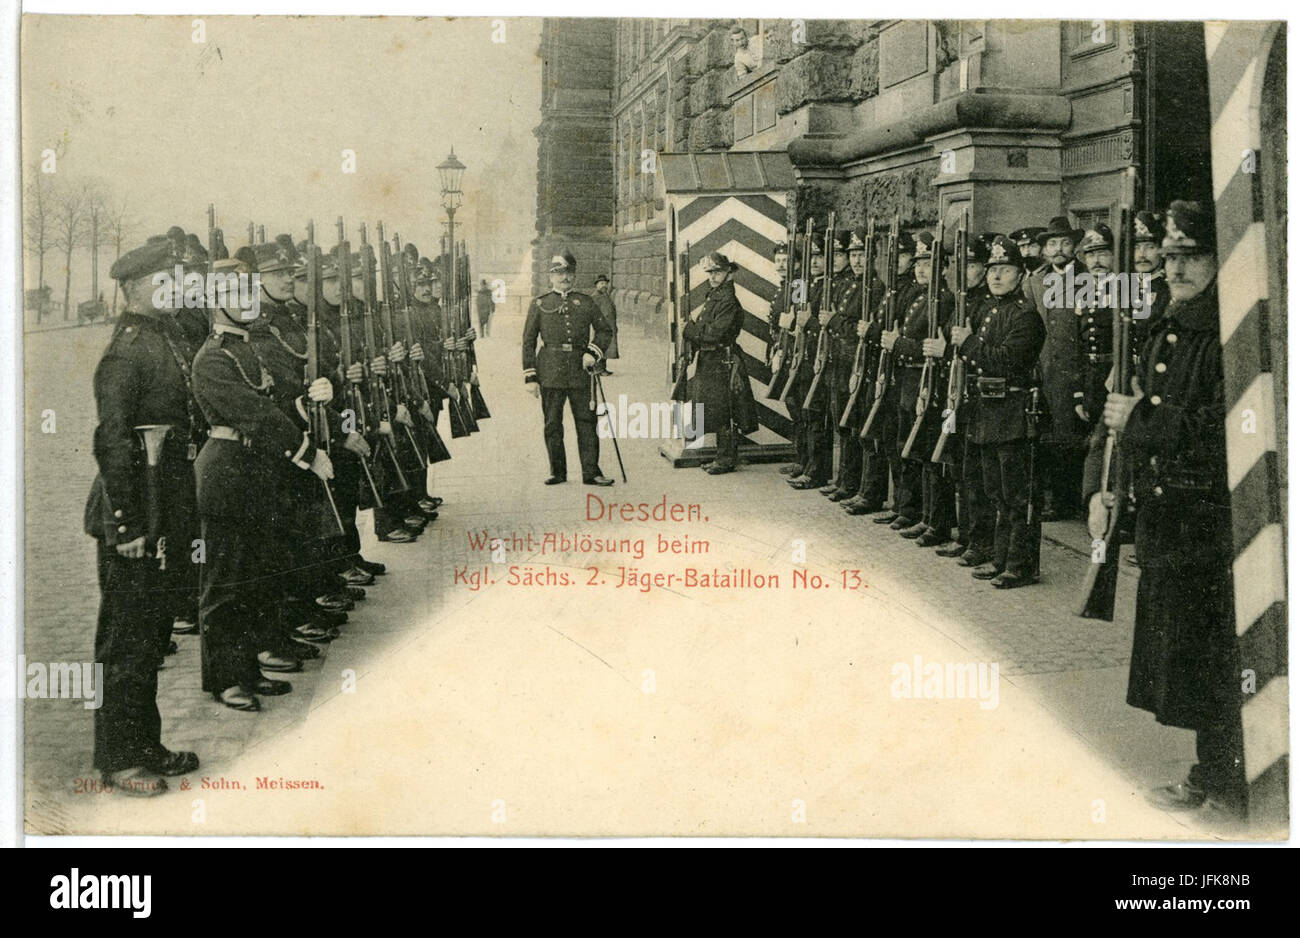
[[575, 427]]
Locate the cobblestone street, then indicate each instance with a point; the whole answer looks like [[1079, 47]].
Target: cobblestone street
[[588, 709]]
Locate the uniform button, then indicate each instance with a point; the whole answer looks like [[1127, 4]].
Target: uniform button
[[1155, 400], [118, 513], [1158, 490], [121, 529], [1154, 460], [1161, 367], [1171, 338], [287, 453]]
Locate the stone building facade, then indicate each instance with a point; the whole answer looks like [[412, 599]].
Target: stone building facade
[[1015, 121]]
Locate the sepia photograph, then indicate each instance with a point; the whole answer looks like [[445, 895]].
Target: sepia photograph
[[575, 427]]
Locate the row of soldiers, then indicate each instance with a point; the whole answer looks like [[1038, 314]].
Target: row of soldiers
[[1148, 403], [249, 407], [892, 366]]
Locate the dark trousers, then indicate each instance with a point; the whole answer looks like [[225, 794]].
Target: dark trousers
[[728, 446], [873, 485], [800, 440], [909, 493], [239, 602], [1220, 768], [135, 618], [1006, 480], [1062, 474], [820, 446], [848, 475], [938, 499], [584, 422], [975, 512]]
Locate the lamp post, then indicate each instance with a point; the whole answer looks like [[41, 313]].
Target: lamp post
[[450, 172]]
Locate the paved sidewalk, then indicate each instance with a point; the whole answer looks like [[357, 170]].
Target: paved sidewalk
[[589, 709]]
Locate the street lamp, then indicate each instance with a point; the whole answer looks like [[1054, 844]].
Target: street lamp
[[450, 171]]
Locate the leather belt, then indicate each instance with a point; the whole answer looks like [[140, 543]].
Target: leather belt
[[1100, 358], [226, 433], [565, 347]]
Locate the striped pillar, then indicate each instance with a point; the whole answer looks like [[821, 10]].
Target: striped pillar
[[1236, 55], [735, 203]]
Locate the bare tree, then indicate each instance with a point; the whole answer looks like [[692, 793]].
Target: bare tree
[[71, 223], [37, 226], [116, 227], [97, 206]]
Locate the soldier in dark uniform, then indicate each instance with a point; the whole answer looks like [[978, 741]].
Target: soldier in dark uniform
[[904, 343], [928, 495], [720, 383], [239, 488], [573, 338], [143, 546], [426, 327], [300, 520], [1003, 355], [1062, 446], [1095, 321], [780, 319], [975, 513], [848, 333], [880, 460], [805, 326], [1147, 230], [1184, 667], [841, 335], [605, 302]]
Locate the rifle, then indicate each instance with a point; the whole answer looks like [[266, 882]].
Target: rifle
[[885, 364], [355, 400], [216, 239], [957, 369], [781, 354], [681, 390], [388, 388], [478, 406], [455, 406], [460, 374], [318, 428], [417, 387], [1097, 599], [860, 355], [925, 393], [823, 355], [800, 334]]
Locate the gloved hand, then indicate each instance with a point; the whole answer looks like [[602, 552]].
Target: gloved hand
[[385, 428], [417, 353], [356, 443], [322, 466], [588, 361], [449, 344], [934, 348], [403, 416], [356, 373], [426, 411], [320, 391], [379, 365], [397, 353], [534, 389], [786, 320]]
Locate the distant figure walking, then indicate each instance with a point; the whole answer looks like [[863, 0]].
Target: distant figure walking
[[605, 303], [485, 306]]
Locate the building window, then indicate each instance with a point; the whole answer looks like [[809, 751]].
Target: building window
[[1085, 37]]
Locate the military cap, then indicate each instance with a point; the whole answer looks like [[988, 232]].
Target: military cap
[[858, 240], [599, 279], [412, 252], [1147, 226], [247, 256], [977, 249], [815, 248], [1189, 229], [158, 253], [906, 243], [1059, 227], [196, 255], [1030, 233], [432, 267], [562, 262], [1004, 251], [329, 266], [781, 248], [239, 264], [717, 261], [274, 255], [841, 241], [924, 244], [1096, 238]]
